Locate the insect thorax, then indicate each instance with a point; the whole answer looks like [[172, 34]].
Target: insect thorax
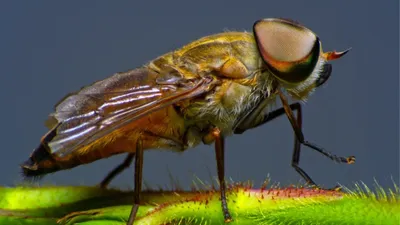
[[222, 106]]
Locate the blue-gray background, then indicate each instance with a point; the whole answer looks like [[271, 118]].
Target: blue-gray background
[[51, 48]]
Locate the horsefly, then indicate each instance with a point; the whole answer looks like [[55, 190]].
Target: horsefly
[[209, 89]]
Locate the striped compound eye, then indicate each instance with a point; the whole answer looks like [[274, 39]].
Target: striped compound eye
[[289, 50]]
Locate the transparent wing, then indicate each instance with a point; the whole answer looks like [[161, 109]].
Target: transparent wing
[[98, 109]]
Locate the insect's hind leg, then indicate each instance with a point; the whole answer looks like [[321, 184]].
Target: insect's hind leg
[[117, 170], [138, 181]]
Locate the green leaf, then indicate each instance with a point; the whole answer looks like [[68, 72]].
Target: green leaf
[[95, 206]]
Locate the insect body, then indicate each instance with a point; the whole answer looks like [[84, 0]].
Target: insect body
[[214, 87]]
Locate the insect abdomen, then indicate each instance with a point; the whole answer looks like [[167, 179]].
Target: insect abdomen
[[41, 161]]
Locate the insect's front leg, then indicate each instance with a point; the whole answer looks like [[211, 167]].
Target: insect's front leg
[[248, 123]]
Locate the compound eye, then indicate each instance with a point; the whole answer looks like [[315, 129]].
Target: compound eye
[[290, 51]]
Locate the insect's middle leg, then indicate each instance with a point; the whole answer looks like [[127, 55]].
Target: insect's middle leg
[[220, 157], [117, 170]]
